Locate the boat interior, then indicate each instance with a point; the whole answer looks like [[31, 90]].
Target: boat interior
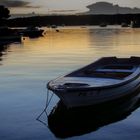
[[106, 71], [110, 71], [109, 67]]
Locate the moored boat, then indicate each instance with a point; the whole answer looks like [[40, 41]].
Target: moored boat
[[124, 24], [103, 25], [8, 35], [31, 32], [105, 80], [135, 24]]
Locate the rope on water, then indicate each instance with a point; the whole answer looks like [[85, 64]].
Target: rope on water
[[48, 100]]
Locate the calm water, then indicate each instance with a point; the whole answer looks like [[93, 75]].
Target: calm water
[[26, 68]]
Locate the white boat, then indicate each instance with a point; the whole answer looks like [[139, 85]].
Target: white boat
[[105, 80], [135, 24]]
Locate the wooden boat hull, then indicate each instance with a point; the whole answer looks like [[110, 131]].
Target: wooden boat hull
[[91, 97], [106, 82]]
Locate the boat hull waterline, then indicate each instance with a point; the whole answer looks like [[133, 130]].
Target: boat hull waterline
[[77, 92]]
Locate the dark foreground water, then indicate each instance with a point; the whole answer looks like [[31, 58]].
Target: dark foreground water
[[26, 68]]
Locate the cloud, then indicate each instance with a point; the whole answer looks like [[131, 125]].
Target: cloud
[[16, 3], [109, 8]]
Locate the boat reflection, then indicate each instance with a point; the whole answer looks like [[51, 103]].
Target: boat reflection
[[3, 50], [8, 35], [65, 122]]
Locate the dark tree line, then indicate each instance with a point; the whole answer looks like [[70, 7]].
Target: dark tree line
[[74, 20], [4, 12], [65, 19], [4, 15]]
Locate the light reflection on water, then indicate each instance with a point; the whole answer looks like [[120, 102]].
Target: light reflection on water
[[26, 68]]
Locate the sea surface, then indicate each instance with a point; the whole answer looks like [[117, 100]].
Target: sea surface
[[26, 68]]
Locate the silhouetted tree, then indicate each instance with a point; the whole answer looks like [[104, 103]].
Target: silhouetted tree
[[4, 15], [4, 12]]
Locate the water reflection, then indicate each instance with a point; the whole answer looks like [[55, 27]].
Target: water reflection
[[27, 67], [3, 49], [115, 40], [65, 122]]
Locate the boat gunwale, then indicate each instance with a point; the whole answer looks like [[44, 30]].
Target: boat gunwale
[[94, 88], [134, 76]]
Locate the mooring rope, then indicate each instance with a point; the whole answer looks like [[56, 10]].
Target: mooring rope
[[48, 100]]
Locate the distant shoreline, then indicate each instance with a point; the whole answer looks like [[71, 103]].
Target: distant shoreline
[[70, 20]]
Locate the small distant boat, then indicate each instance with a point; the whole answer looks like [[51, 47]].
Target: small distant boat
[[135, 24], [31, 32], [124, 24], [54, 26], [107, 79], [103, 25]]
